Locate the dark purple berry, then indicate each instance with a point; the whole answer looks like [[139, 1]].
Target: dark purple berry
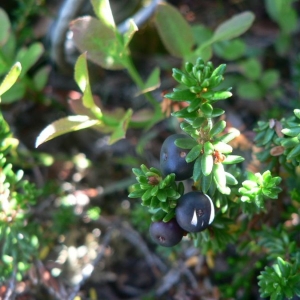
[[166, 234], [194, 211], [172, 159]]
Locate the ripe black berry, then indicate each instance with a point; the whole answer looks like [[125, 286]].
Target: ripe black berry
[[194, 211], [172, 159], [166, 234]]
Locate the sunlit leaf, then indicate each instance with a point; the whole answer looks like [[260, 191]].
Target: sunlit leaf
[[64, 125], [176, 34], [10, 78], [81, 76], [103, 12]]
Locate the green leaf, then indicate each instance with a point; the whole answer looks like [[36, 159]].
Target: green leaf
[[103, 12], [16, 92], [120, 130], [233, 159], [128, 35], [40, 78], [162, 195], [100, 41], [201, 34], [294, 153], [206, 182], [297, 113], [153, 81], [207, 163], [10, 78], [233, 27], [223, 147], [29, 56], [219, 176], [158, 216], [169, 216], [230, 179], [207, 109], [185, 143], [197, 171], [174, 31], [64, 125], [136, 194], [81, 77], [293, 131], [208, 148], [5, 27], [181, 95], [252, 68], [249, 90], [194, 153], [217, 128], [230, 50], [269, 78], [221, 95]]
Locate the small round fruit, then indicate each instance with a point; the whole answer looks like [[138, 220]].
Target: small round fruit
[[172, 159], [194, 211], [166, 234]]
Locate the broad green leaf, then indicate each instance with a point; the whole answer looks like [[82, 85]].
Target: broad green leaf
[[81, 76], [100, 42], [208, 147], [252, 68], [249, 90], [201, 34], [120, 130], [230, 50], [29, 56], [223, 147], [269, 78], [64, 125], [153, 81], [10, 78], [103, 12], [233, 27], [5, 27], [40, 78], [130, 33], [174, 31]]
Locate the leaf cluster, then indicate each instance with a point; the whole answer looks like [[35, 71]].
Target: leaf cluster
[[158, 193]]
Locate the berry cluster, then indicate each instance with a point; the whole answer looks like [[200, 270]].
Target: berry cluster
[[200, 154], [175, 213], [194, 210]]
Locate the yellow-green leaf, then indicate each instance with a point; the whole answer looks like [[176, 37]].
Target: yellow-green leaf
[[10, 78], [64, 125]]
